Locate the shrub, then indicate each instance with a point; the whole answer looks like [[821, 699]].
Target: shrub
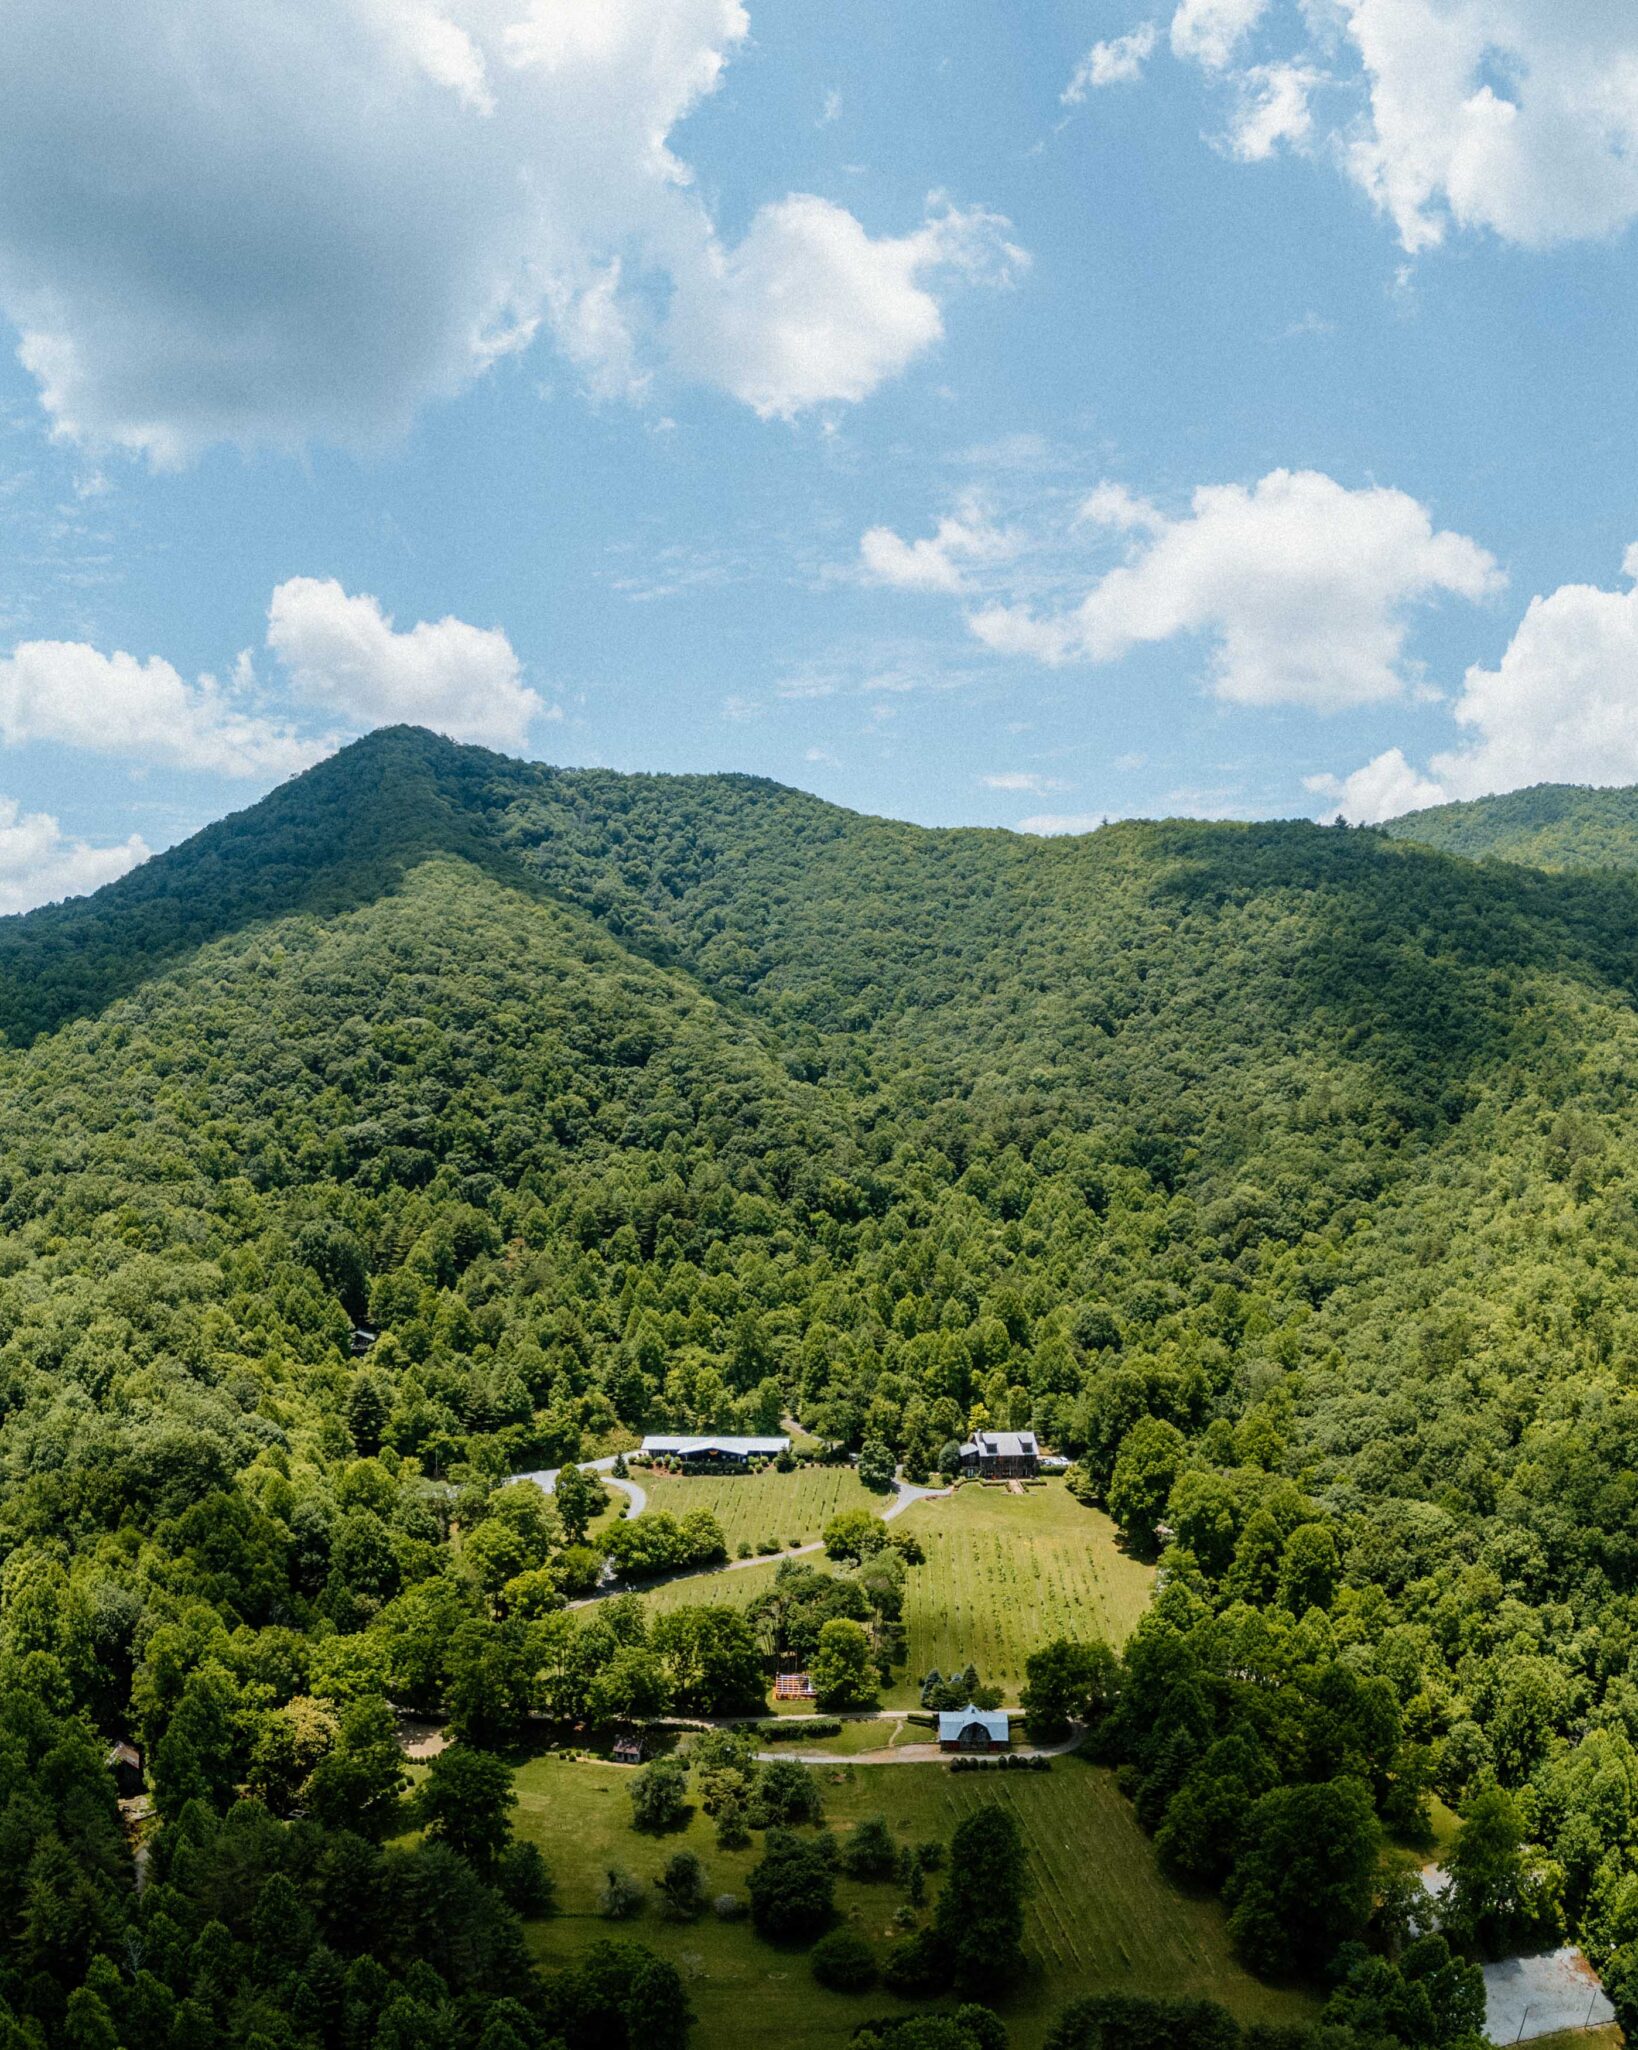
[[870, 1853], [620, 1898], [854, 1534], [682, 1888], [785, 1792], [843, 1961], [525, 1881], [728, 1907], [659, 1795], [916, 1964], [792, 1888]]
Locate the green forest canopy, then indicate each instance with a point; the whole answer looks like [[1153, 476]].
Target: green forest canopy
[[1284, 1176]]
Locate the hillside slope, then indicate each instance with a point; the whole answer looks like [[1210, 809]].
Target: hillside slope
[[1550, 825], [1286, 1177]]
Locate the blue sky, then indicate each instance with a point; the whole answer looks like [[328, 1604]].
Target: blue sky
[[1220, 407]]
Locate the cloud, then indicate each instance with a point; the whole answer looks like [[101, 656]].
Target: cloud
[[226, 222], [345, 658], [1023, 779], [1561, 706], [1302, 586], [808, 308], [1273, 108], [1209, 32], [933, 563], [1050, 824], [1119, 61], [1519, 117], [67, 693], [1112, 505], [39, 864], [1381, 790]]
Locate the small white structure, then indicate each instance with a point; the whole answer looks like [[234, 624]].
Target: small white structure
[[732, 1452], [1526, 1997], [974, 1729]]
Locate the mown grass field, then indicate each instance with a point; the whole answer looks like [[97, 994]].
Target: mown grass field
[[754, 1508], [1101, 1917], [1004, 1573]]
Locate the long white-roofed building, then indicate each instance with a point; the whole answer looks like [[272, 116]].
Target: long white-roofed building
[[715, 1451]]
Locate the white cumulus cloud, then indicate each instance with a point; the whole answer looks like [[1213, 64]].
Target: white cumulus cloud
[[1210, 31], [1516, 115], [345, 657], [1273, 109], [809, 308], [1519, 117], [934, 562], [1302, 586], [1561, 706], [222, 221], [70, 694], [1382, 789], [39, 863], [1119, 61]]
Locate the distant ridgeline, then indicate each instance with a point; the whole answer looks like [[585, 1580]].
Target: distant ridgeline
[[1550, 825], [1284, 1178]]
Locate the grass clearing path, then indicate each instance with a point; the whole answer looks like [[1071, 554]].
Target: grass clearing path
[[766, 1507], [1005, 1573], [1101, 1917]]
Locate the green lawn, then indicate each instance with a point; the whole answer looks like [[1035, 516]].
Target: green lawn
[[754, 1507], [1101, 1918], [1004, 1573]]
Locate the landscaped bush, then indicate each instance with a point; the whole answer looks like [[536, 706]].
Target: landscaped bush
[[786, 1729], [728, 1907], [870, 1853], [657, 1542], [793, 1888], [843, 1961], [620, 1898], [1010, 1761]]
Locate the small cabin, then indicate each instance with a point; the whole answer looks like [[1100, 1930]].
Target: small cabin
[[1002, 1455], [715, 1455], [974, 1729], [124, 1761], [628, 1748]]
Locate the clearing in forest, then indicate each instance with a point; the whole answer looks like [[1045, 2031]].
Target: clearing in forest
[[1004, 1574], [763, 1508], [1100, 1918]]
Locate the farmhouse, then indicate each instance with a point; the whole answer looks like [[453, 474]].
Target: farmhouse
[[1001, 1455], [726, 1453], [974, 1729]]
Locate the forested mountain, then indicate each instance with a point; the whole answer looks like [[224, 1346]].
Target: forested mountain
[[1550, 825], [1285, 1177]]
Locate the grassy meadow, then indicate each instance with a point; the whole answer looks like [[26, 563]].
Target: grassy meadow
[[1100, 1917], [1003, 1574], [766, 1507]]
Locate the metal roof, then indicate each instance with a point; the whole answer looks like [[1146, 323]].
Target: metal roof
[[1002, 1444], [952, 1721], [747, 1448]]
